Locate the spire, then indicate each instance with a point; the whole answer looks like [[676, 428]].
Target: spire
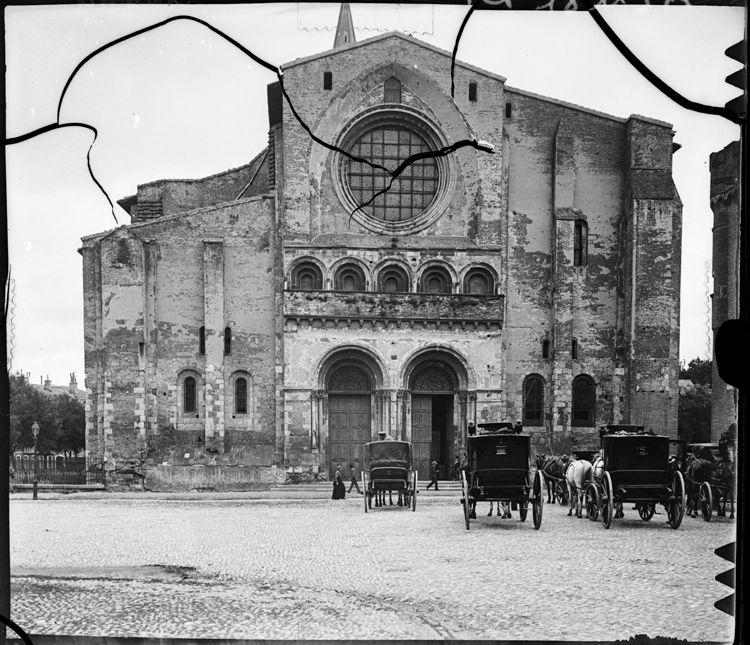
[[345, 28]]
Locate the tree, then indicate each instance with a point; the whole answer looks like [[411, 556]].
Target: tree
[[61, 419], [698, 371], [694, 414]]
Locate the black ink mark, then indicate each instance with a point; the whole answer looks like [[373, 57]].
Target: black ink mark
[[455, 47], [405, 164], [653, 78], [24, 636]]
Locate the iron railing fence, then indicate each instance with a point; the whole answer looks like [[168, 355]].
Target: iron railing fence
[[66, 471]]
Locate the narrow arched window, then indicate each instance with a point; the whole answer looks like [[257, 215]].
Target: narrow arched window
[[202, 340], [436, 280], [307, 276], [392, 90], [227, 341], [574, 350], [533, 400], [350, 277], [189, 395], [479, 282], [240, 396], [393, 279], [584, 402], [580, 243], [545, 349]]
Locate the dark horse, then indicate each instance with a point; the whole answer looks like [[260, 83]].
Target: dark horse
[[722, 483], [553, 469], [380, 498], [698, 471]]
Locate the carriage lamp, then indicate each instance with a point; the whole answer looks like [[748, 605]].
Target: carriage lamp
[[35, 432]]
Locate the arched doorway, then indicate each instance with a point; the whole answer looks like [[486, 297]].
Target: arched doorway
[[433, 387], [349, 415]]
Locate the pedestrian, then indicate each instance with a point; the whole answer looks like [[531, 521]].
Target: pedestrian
[[471, 430], [518, 428], [353, 471], [434, 475], [384, 436], [457, 469], [339, 488]]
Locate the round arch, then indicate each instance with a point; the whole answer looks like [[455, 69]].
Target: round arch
[[301, 263], [343, 263], [461, 370], [362, 357], [432, 265], [479, 268], [388, 263]]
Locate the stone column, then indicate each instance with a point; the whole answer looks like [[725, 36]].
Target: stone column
[[213, 312], [460, 439]]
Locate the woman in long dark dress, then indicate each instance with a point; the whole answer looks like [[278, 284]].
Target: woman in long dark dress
[[339, 488]]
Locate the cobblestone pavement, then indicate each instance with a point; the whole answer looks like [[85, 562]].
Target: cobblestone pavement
[[314, 569]]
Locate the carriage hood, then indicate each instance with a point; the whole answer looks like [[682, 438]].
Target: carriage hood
[[388, 454]]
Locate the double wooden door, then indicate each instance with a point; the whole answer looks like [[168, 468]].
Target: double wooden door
[[348, 430], [431, 422]]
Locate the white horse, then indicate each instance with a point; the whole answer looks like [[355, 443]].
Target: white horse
[[578, 476]]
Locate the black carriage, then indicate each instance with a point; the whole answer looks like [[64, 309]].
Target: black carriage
[[716, 488], [635, 467], [388, 467], [498, 471]]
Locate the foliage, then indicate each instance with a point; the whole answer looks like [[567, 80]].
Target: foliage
[[698, 371], [694, 415], [61, 419]]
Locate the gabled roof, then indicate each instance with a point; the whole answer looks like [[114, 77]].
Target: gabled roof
[[391, 34]]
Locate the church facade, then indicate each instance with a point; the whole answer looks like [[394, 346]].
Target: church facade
[[270, 320]]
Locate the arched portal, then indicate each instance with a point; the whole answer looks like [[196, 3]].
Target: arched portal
[[437, 382], [347, 412]]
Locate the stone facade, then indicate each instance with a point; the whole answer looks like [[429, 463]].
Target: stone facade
[[539, 282], [725, 204]]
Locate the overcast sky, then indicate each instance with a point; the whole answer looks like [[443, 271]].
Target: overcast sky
[[181, 102]]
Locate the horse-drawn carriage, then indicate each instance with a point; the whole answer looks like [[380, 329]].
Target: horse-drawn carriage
[[635, 467], [389, 466], [709, 472], [498, 471]]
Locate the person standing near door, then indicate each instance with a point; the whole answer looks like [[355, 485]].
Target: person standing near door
[[354, 482], [434, 475]]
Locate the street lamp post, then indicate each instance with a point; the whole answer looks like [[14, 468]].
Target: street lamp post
[[35, 432]]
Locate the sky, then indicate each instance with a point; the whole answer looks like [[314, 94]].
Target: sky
[[181, 102]]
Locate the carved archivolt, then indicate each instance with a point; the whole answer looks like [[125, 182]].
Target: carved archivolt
[[349, 378], [432, 379]]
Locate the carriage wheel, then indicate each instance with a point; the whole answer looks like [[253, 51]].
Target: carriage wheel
[[646, 511], [365, 494], [562, 492], [706, 500], [608, 503], [592, 502], [465, 491], [523, 508], [537, 503], [676, 506], [414, 493]]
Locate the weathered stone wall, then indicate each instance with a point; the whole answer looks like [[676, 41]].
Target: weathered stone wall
[[172, 196], [725, 172], [156, 285], [652, 278], [564, 164], [310, 202]]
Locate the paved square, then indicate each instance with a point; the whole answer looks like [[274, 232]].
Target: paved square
[[270, 569]]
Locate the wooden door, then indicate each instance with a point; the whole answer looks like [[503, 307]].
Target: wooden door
[[348, 430], [421, 432]]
